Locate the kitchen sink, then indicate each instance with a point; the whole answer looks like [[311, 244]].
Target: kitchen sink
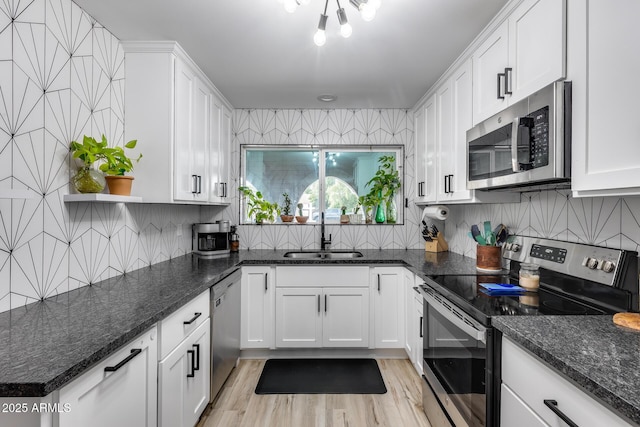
[[323, 255]]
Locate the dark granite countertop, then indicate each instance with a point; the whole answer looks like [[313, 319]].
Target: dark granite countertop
[[600, 357], [47, 344]]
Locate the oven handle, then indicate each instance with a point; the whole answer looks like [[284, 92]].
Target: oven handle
[[515, 165], [477, 332]]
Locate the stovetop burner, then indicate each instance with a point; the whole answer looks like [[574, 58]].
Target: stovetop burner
[[467, 293]]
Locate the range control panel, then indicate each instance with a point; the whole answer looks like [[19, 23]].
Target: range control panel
[[595, 263], [548, 253]]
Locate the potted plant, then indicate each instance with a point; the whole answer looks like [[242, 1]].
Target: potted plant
[[286, 209], [344, 218], [87, 179], [301, 218], [116, 165], [258, 207], [384, 185]]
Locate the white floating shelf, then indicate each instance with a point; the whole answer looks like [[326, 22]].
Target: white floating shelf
[[101, 198], [16, 194]]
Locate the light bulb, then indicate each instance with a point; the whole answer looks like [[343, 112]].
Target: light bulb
[[346, 30], [290, 5], [367, 12], [320, 38], [375, 4]]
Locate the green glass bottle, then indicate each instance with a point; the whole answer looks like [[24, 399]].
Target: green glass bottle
[[380, 216]]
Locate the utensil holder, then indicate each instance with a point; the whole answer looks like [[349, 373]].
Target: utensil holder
[[489, 258], [439, 244]]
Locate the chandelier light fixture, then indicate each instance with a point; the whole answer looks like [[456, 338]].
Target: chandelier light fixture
[[367, 9]]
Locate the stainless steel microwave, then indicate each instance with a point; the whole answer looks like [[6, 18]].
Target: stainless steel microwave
[[528, 143]]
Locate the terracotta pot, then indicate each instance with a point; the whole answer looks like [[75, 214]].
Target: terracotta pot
[[301, 219], [489, 257], [119, 185], [286, 218]]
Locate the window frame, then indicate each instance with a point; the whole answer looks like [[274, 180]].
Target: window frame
[[322, 149]]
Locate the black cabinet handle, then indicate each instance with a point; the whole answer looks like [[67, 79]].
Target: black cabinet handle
[[266, 282], [421, 332], [325, 303], [445, 184], [553, 405], [194, 184], [508, 78], [192, 355], [501, 77], [224, 189], [449, 179], [318, 303], [134, 353], [193, 319], [199, 184], [196, 366], [378, 283]]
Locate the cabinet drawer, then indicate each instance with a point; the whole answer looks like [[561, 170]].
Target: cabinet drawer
[[321, 276], [533, 382], [181, 323]]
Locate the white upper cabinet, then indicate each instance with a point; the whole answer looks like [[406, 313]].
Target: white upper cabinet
[[603, 64], [441, 140], [522, 55], [170, 108], [220, 157]]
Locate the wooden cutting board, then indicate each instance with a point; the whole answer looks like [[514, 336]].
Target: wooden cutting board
[[628, 320]]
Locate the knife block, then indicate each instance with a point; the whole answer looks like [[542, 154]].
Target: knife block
[[439, 244]]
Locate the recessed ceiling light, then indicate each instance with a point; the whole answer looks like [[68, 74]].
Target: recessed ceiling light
[[327, 98]]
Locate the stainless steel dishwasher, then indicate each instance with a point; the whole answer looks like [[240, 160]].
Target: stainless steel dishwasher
[[225, 330]]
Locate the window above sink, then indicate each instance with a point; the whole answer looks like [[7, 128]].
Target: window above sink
[[317, 178]]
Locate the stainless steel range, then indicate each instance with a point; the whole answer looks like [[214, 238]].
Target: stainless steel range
[[461, 351]]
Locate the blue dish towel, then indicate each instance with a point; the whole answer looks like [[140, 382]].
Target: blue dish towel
[[502, 289]]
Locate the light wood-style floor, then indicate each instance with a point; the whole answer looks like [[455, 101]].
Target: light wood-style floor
[[238, 405]]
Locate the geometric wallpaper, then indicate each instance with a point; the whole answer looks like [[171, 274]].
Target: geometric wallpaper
[[324, 127], [554, 214], [61, 77]]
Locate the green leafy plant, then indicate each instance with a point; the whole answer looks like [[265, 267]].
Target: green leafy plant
[[300, 206], [386, 180], [258, 207], [115, 160], [286, 208]]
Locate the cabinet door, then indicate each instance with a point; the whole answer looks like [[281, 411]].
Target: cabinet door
[[122, 397], [184, 380], [216, 147], [539, 60], [514, 412], [257, 308], [345, 317], [421, 153], [410, 313], [461, 122], [388, 291], [445, 143], [201, 138], [490, 59], [431, 147], [602, 39], [198, 388], [224, 170], [185, 185], [298, 317], [418, 335]]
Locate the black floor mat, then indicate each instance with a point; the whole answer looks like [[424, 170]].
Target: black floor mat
[[321, 376]]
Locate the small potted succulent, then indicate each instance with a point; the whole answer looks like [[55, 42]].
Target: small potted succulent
[[301, 218], [259, 208], [286, 209], [344, 218]]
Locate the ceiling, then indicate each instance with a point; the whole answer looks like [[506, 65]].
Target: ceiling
[[260, 56]]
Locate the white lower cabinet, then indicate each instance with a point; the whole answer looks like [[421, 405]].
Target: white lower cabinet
[[388, 295], [322, 306], [120, 391], [257, 305], [184, 380], [527, 382], [413, 319], [322, 317]]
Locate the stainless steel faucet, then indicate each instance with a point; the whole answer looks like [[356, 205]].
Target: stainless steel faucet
[[323, 242]]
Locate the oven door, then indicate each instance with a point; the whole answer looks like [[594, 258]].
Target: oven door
[[455, 360]]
